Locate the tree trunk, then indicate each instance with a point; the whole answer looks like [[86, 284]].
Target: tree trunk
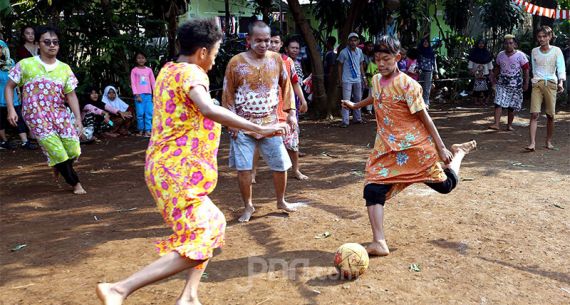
[[319, 92], [172, 16], [227, 18]]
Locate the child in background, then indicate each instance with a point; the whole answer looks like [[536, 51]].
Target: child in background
[[408, 148], [6, 63], [403, 63], [412, 64], [123, 117], [97, 115], [142, 83]]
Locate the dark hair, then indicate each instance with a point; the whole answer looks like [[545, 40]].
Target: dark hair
[[257, 24], [39, 31], [546, 30], [389, 44], [331, 40], [292, 39], [275, 32], [198, 33], [137, 53], [368, 42], [22, 30], [413, 53]]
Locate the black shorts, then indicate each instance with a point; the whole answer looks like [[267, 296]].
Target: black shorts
[[376, 193]]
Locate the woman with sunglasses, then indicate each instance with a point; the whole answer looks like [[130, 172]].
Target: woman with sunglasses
[[46, 85]]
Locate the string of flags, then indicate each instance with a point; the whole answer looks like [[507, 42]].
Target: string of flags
[[542, 11]]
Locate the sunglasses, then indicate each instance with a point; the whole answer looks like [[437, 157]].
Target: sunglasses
[[48, 42]]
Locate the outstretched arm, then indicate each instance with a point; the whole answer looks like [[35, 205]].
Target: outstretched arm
[[224, 116], [365, 102], [442, 151]]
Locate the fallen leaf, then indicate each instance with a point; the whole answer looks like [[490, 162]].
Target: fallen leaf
[[415, 267], [323, 235], [18, 247], [558, 206]]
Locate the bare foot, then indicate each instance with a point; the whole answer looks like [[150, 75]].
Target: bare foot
[[300, 176], [531, 147], [188, 302], [78, 189], [246, 214], [253, 178], [510, 128], [379, 248], [466, 147], [549, 145], [285, 207], [108, 296], [494, 127]]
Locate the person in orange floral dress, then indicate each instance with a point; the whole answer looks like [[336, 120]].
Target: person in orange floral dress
[[181, 165], [407, 148]]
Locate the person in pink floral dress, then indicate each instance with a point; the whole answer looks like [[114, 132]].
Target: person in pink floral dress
[[47, 84], [181, 165]]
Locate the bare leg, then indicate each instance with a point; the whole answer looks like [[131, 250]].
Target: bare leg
[[255, 165], [244, 180], [459, 152], [280, 184], [549, 131], [23, 137], [498, 112], [189, 295], [378, 246], [3, 135], [510, 120], [167, 265], [532, 131], [294, 155]]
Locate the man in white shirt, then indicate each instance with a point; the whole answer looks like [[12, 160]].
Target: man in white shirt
[[549, 74]]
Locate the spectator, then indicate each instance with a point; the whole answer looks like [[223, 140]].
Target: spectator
[[97, 115], [28, 46], [428, 67], [412, 64], [6, 63], [123, 117], [351, 73], [329, 61], [480, 65], [142, 83]]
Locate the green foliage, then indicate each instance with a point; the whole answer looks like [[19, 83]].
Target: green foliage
[[457, 13], [98, 41], [500, 16]]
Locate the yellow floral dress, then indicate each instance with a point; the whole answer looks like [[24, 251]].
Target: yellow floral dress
[[404, 151], [181, 164]]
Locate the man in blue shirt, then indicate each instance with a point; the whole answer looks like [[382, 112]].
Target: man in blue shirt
[[351, 72]]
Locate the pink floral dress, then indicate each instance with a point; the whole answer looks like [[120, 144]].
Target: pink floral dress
[[43, 106], [181, 164]]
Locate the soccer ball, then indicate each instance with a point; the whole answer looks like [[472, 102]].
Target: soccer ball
[[351, 260]]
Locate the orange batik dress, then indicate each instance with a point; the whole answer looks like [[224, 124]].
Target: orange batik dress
[[404, 152], [181, 164]]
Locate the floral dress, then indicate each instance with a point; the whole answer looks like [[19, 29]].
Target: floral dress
[[404, 152], [181, 164], [43, 106]]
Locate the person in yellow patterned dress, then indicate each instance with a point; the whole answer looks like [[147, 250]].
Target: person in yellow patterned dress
[[408, 147], [181, 165]]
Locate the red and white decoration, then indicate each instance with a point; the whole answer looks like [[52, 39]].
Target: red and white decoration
[[542, 11]]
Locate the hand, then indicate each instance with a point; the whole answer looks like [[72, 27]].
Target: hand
[[233, 132], [138, 98], [79, 126], [274, 130], [560, 87], [347, 104], [445, 155], [292, 121], [12, 117], [126, 115], [304, 107], [436, 76]]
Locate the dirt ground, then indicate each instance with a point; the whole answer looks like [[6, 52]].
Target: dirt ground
[[502, 237]]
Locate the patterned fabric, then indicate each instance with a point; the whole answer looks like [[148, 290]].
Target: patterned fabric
[[509, 93], [480, 84], [181, 166], [252, 92], [43, 106], [404, 152], [292, 72]]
